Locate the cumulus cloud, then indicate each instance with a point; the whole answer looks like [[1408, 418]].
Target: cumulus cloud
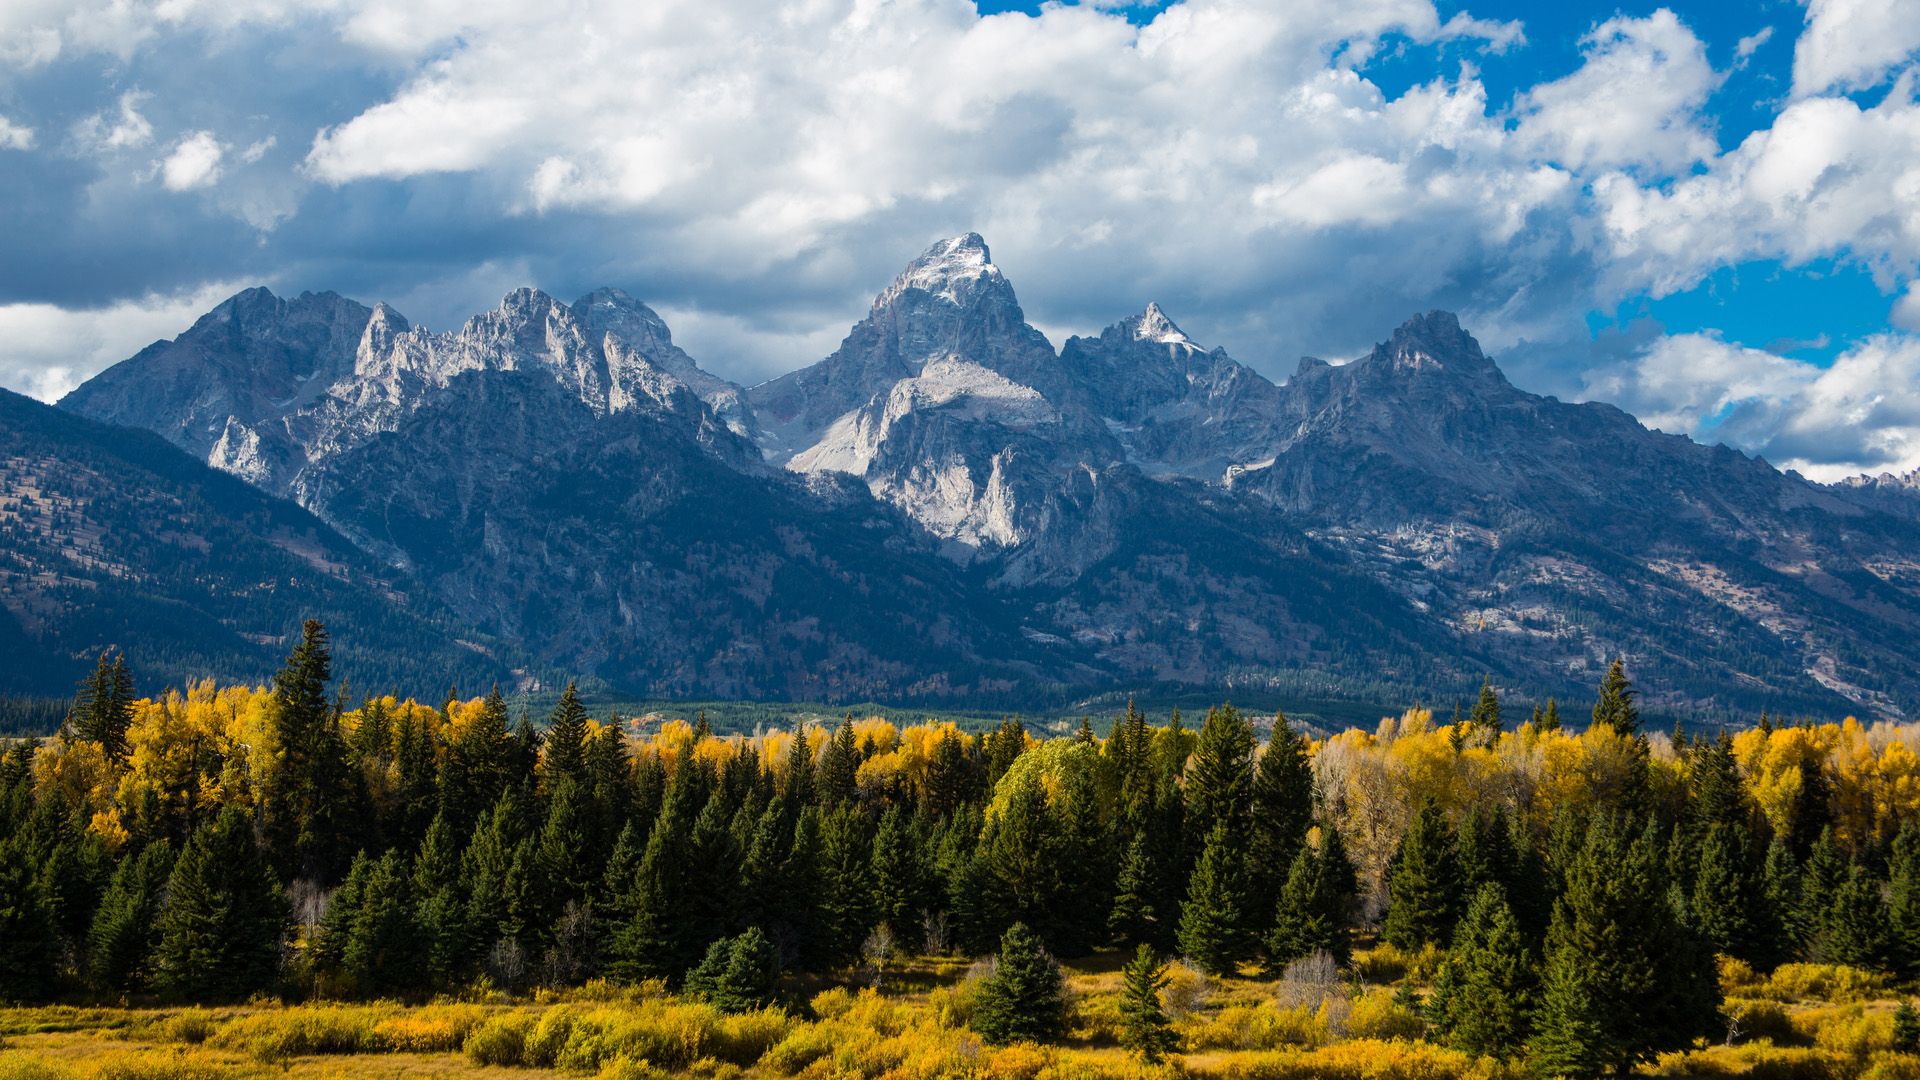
[[47, 350], [14, 136], [765, 164], [194, 163], [1853, 44], [1862, 413], [124, 129]]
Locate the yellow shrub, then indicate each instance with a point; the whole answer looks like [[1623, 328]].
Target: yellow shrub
[[177, 1063], [1360, 1060], [953, 1006], [1376, 1016], [501, 1040], [622, 1067], [280, 1034], [1891, 1066], [16, 1066], [1848, 1031], [1757, 1061], [1254, 1027], [1387, 963], [1021, 1061], [429, 1029], [1835, 983], [1754, 1021]]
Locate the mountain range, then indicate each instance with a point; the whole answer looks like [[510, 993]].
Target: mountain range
[[949, 508]]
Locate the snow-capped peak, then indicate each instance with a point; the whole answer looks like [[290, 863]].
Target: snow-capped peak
[[1153, 325], [950, 269]]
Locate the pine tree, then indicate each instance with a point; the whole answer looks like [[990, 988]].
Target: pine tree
[[1025, 997], [29, 949], [1857, 931], [565, 743], [839, 767], [567, 862], [1282, 814], [225, 917], [1308, 914], [1213, 930], [1485, 719], [950, 776], [1781, 890], [1550, 722], [1903, 900], [316, 803], [1135, 917], [1726, 897], [1487, 1010], [103, 709], [1220, 778], [1005, 744], [663, 937], [1145, 1030], [1024, 856], [438, 889], [383, 953], [122, 940], [1906, 1028], [847, 886], [1487, 852], [898, 873], [326, 957], [1624, 977], [739, 974], [1615, 709], [1424, 890], [1820, 879]]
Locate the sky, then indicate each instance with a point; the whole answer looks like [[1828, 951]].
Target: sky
[[1706, 213]]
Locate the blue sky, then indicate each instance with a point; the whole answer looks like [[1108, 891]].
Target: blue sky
[[1707, 213]]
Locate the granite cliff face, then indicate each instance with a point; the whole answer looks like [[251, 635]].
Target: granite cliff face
[[948, 506]]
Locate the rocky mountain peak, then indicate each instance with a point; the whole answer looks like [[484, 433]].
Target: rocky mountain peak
[[1153, 325], [954, 269], [1433, 342]]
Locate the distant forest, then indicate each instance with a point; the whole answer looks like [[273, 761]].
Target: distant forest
[[1577, 888]]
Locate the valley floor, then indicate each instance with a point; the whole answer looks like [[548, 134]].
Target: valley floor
[[1804, 1022]]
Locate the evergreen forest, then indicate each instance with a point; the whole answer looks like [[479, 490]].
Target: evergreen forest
[[279, 872]]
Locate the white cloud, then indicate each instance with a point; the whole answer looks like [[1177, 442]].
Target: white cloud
[[46, 350], [1635, 102], [1228, 158], [194, 163], [14, 136], [1853, 44], [1861, 414], [123, 131]]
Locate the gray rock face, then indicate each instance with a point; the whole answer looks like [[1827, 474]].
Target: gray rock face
[[946, 506]]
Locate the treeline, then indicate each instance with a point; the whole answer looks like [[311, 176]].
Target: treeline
[[232, 841]]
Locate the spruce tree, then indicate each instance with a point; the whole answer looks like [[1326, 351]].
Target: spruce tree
[[122, 940], [1424, 890], [1615, 709], [1213, 930], [1550, 721], [326, 956], [663, 938], [315, 806], [839, 767], [1145, 1031], [898, 873], [1903, 900], [103, 709], [1220, 779], [1025, 997], [1906, 1028], [1485, 718], [1135, 917], [1820, 879], [1309, 914], [1727, 898], [739, 974], [384, 953], [1487, 852], [1857, 932], [439, 891], [846, 886], [1282, 814], [225, 917], [29, 948], [950, 776], [1489, 985], [1005, 744], [566, 741], [1780, 888], [1624, 977]]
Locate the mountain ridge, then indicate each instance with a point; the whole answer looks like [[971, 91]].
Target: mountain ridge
[[1045, 506]]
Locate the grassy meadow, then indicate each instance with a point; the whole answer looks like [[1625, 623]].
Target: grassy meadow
[[1802, 1022]]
